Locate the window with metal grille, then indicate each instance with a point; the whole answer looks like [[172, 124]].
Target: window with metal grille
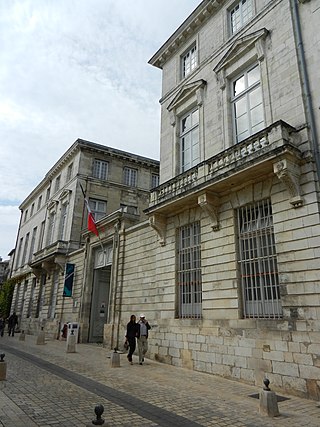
[[98, 208], [63, 220], [51, 226], [24, 254], [130, 177], [100, 169], [154, 180], [247, 103], [57, 184], [69, 171], [33, 241], [189, 140], [258, 262], [189, 61], [240, 14], [189, 272]]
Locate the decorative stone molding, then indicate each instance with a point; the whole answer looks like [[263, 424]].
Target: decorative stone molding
[[192, 89], [52, 206], [210, 205], [254, 41], [65, 195], [159, 224], [61, 262], [289, 173]]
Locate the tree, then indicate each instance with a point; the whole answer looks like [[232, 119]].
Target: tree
[[6, 294]]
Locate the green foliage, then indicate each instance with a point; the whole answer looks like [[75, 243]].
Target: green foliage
[[6, 293]]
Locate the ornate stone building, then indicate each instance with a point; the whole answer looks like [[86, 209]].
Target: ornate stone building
[[226, 268], [233, 286], [52, 264]]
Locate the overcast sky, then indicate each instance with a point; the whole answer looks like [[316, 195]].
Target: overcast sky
[[76, 69]]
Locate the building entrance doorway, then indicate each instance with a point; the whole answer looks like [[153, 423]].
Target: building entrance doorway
[[99, 303]]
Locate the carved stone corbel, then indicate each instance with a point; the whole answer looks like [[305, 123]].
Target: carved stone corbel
[[172, 118], [37, 272], [221, 77], [61, 262], [210, 205], [48, 267], [289, 174], [200, 95], [159, 224]]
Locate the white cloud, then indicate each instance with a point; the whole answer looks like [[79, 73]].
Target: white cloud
[[9, 219], [76, 69]]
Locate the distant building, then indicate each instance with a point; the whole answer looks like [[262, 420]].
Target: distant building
[[51, 253]]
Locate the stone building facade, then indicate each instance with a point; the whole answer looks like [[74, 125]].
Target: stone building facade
[[52, 260], [225, 264], [232, 287]]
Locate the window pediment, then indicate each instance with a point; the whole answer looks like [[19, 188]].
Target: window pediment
[[189, 90], [241, 46], [52, 205], [65, 195]]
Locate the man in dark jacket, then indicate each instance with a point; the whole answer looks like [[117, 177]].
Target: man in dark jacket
[[12, 322], [131, 335]]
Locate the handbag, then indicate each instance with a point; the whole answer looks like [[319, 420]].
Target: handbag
[[126, 345]]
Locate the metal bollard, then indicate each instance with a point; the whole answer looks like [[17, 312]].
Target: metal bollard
[[41, 337], [268, 401], [99, 409], [115, 359], [71, 342], [3, 368]]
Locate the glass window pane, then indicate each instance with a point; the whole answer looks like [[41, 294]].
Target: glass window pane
[[242, 124], [257, 116], [255, 97], [195, 117], [238, 86], [253, 75], [241, 107], [185, 123]]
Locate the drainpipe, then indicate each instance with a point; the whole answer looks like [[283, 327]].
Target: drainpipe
[[305, 83]]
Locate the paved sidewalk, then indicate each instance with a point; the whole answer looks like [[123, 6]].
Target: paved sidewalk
[[46, 386]]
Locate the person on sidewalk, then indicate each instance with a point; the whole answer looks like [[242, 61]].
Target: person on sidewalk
[[131, 335], [2, 325], [144, 327], [12, 322]]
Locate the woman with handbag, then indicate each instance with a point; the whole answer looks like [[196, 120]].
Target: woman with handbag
[[131, 335]]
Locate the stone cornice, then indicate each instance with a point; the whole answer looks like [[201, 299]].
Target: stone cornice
[[186, 30]]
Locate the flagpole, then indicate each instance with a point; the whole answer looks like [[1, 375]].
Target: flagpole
[[93, 228]]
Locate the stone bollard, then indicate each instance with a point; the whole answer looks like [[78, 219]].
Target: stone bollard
[[98, 410], [115, 359], [22, 336], [41, 337], [268, 401], [71, 342], [3, 368]]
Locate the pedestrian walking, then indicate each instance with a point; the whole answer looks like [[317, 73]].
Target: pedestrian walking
[[144, 327], [131, 335], [2, 325], [12, 322]]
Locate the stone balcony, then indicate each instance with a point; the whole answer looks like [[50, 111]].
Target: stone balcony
[[272, 151], [47, 258]]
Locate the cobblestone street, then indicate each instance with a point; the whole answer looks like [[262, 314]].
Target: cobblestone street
[[45, 386]]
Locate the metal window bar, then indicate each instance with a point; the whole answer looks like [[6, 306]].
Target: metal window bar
[[189, 272], [100, 169], [258, 262]]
